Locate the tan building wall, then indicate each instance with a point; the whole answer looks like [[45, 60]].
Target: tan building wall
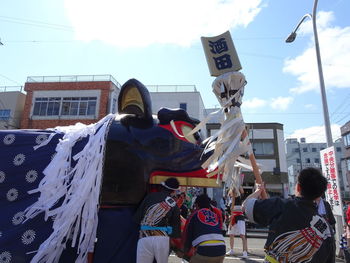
[[13, 101]]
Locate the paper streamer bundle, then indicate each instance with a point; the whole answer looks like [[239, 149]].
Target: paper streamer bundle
[[79, 188]]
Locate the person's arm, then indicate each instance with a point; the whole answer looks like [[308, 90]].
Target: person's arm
[[248, 204], [187, 234], [264, 211], [175, 223]]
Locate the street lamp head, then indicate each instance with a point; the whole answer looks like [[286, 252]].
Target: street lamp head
[[291, 37]]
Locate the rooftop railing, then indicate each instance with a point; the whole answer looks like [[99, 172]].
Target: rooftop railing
[[73, 78], [171, 88], [11, 88]]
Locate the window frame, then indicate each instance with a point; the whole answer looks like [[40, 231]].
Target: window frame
[[65, 106], [5, 114], [265, 151]]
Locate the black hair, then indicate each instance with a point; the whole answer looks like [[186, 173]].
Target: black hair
[[203, 201], [312, 183]]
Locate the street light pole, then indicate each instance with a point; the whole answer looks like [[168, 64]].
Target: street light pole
[[290, 39]]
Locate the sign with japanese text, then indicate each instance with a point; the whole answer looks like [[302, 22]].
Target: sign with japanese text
[[221, 54], [330, 171]]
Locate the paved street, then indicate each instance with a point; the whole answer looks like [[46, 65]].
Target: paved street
[[255, 251]]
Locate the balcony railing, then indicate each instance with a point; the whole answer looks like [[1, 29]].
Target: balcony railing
[[11, 88], [73, 78]]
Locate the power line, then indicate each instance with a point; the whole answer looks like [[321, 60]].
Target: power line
[[36, 23], [14, 81]]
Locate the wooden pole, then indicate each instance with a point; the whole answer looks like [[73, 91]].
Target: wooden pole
[[255, 167]]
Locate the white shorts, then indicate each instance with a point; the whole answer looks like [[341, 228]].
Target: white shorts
[[237, 229], [153, 247]]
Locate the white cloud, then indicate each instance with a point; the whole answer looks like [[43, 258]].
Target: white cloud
[[254, 103], [310, 106], [140, 23], [281, 103], [334, 44], [316, 133]]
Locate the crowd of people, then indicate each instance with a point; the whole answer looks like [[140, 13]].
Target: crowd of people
[[301, 229]]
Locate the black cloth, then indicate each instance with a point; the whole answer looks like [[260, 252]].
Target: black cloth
[[184, 211], [329, 214], [159, 210], [296, 232]]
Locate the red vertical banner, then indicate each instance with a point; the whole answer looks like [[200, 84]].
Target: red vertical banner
[[330, 171]]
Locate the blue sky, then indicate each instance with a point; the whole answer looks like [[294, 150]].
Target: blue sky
[[158, 42]]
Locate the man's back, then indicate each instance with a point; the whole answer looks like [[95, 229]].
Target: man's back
[[297, 233]]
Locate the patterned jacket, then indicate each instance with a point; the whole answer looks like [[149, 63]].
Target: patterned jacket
[[158, 210], [296, 232], [201, 227]]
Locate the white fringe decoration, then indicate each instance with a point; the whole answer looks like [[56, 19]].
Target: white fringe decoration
[[79, 187], [229, 89], [226, 143]]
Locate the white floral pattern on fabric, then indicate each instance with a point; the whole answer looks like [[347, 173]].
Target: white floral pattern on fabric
[[5, 257], [31, 176], [9, 139], [19, 159], [28, 237], [2, 177], [75, 207], [41, 138], [12, 194], [18, 218]]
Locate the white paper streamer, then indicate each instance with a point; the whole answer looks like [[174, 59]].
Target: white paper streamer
[[226, 142], [79, 187]]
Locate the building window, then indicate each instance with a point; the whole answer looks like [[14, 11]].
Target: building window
[[307, 160], [296, 150], [71, 106], [298, 160], [305, 150], [114, 105], [5, 115], [317, 160], [79, 106], [338, 149], [263, 148], [183, 106], [346, 140], [314, 150], [47, 106]]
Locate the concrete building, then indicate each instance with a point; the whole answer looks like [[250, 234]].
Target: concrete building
[[345, 161], [64, 100], [178, 96], [11, 107], [268, 144], [302, 154]]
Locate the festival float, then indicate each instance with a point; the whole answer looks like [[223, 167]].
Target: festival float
[[68, 194]]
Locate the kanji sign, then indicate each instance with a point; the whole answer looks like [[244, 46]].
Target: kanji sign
[[221, 54], [330, 171]]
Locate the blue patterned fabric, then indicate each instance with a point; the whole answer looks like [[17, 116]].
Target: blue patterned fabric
[[21, 169]]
